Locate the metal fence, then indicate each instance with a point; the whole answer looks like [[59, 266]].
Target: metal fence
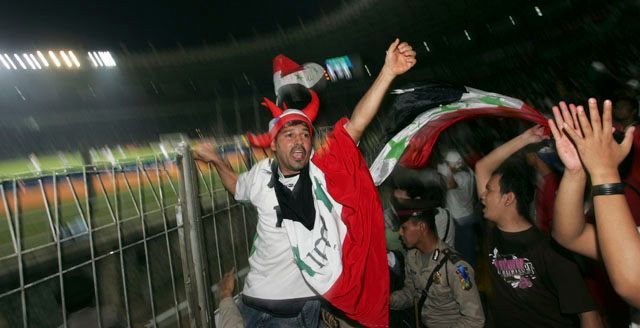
[[138, 244]]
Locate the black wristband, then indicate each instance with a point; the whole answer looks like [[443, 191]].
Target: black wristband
[[608, 189]]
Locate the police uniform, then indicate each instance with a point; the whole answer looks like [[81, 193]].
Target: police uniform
[[452, 299]]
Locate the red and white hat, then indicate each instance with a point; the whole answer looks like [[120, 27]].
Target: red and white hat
[[287, 72], [282, 116]]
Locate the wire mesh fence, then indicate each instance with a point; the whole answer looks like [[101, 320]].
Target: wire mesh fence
[[105, 246]]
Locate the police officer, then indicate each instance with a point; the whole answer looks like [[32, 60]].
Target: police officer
[[437, 281]]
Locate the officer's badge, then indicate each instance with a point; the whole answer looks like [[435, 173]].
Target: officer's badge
[[463, 276], [437, 278]]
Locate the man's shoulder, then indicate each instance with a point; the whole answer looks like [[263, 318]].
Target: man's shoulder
[[258, 173], [336, 137], [453, 256], [461, 270], [262, 166]]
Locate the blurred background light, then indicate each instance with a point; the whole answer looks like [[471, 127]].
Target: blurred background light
[[53, 57], [42, 59], [17, 57], [66, 59]]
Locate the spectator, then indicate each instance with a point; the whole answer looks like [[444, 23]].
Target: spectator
[[290, 218], [459, 200], [532, 285]]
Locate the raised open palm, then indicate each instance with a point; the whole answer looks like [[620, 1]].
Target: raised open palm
[[564, 146]]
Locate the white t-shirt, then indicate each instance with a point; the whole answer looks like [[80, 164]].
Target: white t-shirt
[[459, 200], [273, 273]]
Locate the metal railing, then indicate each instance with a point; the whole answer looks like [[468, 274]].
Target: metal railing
[[129, 245]]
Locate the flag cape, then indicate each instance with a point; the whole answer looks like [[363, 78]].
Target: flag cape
[[343, 257]]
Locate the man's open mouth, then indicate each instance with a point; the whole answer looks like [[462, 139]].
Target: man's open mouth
[[298, 154]]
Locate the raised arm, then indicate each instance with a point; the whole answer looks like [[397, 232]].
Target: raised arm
[[569, 226], [205, 151], [488, 164], [400, 58], [617, 233]]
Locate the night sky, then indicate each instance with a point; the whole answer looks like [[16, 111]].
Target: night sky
[[135, 23]]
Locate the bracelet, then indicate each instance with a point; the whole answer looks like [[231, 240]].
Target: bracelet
[[608, 189]]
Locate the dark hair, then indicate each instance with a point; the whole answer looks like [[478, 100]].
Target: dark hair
[[428, 216], [295, 122], [516, 180]]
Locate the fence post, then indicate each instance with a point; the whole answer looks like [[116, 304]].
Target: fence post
[[193, 251]]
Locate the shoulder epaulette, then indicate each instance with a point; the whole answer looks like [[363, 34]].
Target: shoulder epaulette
[[453, 256]]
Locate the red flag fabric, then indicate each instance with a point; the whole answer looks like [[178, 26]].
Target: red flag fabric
[[418, 151], [362, 290]]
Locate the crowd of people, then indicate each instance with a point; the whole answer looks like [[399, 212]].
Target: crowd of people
[[550, 244]]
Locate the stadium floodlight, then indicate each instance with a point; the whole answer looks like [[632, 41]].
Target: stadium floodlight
[[104, 58], [28, 60], [20, 61], [95, 55], [107, 59], [5, 63], [74, 59], [42, 58], [93, 61], [35, 61], [10, 61], [53, 57], [113, 61], [66, 59]]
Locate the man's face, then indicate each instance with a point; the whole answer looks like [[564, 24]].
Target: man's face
[[492, 199], [410, 233], [292, 146]]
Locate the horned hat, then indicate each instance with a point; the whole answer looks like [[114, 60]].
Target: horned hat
[[287, 72]]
